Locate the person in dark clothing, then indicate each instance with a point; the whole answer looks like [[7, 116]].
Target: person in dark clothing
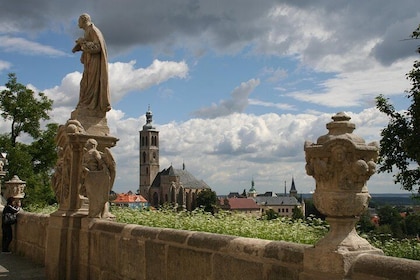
[[12, 207]]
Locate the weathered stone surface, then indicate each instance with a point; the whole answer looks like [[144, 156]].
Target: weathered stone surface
[[131, 260], [284, 273], [368, 266], [176, 236], [209, 241], [183, 263], [285, 252], [229, 267], [341, 163], [156, 266], [145, 256]]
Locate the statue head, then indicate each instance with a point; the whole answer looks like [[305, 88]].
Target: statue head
[[84, 20], [91, 144]]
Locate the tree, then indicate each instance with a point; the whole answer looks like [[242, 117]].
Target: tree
[[412, 225], [365, 224], [32, 162], [310, 209], [297, 213], [207, 199], [20, 106], [270, 214], [400, 139], [390, 218]]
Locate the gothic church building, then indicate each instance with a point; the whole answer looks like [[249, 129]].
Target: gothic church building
[[174, 186]]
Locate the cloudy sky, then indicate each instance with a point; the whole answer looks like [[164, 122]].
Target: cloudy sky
[[235, 86]]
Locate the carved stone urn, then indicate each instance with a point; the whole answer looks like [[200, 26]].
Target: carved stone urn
[[341, 163], [14, 188]]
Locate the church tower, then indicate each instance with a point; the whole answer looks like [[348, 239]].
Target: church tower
[[148, 155], [293, 191], [252, 192]]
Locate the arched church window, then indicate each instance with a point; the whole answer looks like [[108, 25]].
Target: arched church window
[[144, 157]]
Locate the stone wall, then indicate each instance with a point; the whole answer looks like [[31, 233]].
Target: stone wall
[[138, 252], [112, 250], [30, 236]]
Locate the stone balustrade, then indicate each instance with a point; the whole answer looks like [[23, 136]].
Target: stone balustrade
[[111, 250]]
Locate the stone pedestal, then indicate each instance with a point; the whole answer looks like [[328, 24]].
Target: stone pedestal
[[341, 163], [64, 230], [63, 246], [92, 123], [320, 264]]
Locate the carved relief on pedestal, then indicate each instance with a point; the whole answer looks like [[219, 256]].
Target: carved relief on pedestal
[[61, 179], [97, 179]]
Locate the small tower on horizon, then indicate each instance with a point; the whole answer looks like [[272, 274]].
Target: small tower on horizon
[[293, 191], [148, 155], [252, 192]]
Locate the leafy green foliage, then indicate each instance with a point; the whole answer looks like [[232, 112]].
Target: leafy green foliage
[[400, 248], [365, 225], [32, 162], [390, 221], [23, 109], [207, 199], [297, 213], [412, 225], [41, 208], [270, 214], [310, 209], [399, 143]]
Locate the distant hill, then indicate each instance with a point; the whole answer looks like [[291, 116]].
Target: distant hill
[[397, 199]]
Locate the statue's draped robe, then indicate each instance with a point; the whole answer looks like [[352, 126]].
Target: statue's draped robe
[[94, 90]]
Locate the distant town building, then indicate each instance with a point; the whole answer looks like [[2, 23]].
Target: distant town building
[[240, 205], [130, 200], [283, 205], [235, 194], [175, 186]]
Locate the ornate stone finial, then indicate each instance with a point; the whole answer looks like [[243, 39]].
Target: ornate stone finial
[[341, 163], [14, 188]]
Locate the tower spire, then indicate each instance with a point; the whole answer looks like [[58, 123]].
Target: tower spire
[[293, 191], [149, 119], [285, 188], [252, 192]]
